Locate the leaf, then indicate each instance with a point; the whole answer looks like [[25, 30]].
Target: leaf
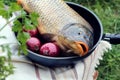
[[15, 7], [28, 24], [23, 13], [34, 18], [24, 49], [1, 4], [17, 26], [7, 7], [5, 13], [22, 38], [8, 2]]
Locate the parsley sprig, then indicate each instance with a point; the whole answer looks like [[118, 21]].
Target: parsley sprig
[[23, 20], [27, 22]]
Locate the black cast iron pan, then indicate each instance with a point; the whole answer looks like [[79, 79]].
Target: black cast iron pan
[[71, 60]]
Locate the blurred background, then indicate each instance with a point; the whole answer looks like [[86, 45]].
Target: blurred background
[[109, 13]]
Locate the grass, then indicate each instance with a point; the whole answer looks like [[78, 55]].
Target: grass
[[108, 11]]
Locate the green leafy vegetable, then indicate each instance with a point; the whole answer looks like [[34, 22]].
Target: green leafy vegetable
[[17, 26], [33, 17], [22, 37], [22, 21]]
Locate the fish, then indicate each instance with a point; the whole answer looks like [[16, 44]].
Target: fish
[[60, 23]]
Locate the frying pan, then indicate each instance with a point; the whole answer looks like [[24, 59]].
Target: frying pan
[[71, 60]]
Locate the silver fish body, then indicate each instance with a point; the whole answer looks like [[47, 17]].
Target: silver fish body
[[71, 32]]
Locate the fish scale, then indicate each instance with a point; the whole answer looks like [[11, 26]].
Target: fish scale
[[57, 18]]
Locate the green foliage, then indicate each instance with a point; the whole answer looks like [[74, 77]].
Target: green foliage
[[110, 67], [9, 2], [27, 22], [22, 21], [33, 17], [22, 37], [7, 8]]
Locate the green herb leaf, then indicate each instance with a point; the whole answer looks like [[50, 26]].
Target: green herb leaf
[[28, 24], [23, 20], [5, 13], [9, 2], [1, 4], [22, 38], [15, 7], [33, 17], [17, 26]]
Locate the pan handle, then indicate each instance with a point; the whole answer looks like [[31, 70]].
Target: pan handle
[[112, 38]]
